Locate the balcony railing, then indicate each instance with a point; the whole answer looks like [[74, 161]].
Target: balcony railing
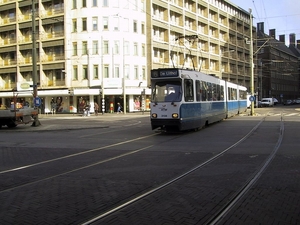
[[52, 57], [52, 12], [46, 36]]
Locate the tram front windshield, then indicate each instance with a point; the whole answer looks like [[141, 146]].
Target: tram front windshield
[[166, 91]]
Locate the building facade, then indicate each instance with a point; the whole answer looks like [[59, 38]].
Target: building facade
[[94, 49], [84, 48], [212, 36], [278, 67]]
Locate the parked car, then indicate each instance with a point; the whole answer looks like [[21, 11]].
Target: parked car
[[267, 102], [275, 101], [288, 102]]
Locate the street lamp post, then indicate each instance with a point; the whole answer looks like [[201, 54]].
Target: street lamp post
[[251, 63], [36, 121]]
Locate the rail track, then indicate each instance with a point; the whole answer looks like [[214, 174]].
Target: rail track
[[116, 208]]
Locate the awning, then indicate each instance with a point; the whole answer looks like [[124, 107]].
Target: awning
[[58, 92], [86, 91]]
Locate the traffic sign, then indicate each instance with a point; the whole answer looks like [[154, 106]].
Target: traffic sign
[[37, 101], [251, 98]]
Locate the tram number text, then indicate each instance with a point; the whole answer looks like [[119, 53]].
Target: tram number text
[[164, 116]]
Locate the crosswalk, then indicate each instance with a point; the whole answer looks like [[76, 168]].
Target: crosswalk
[[284, 114]]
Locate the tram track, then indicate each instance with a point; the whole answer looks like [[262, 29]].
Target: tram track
[[219, 214], [134, 198], [24, 167]]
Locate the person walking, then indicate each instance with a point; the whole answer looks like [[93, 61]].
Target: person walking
[[96, 108], [119, 110]]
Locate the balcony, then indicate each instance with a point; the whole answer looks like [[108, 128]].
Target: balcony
[[52, 57], [8, 62], [25, 17], [50, 35], [52, 12]]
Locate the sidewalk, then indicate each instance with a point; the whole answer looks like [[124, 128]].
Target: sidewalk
[[77, 121]]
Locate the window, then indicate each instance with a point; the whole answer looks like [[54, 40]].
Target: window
[[143, 50], [143, 28], [134, 26], [198, 91], [188, 90], [117, 48], [106, 71], [84, 72], [96, 71], [135, 48], [105, 47], [74, 48], [117, 71], [136, 72], [84, 24], [74, 6], [126, 48], [74, 25], [105, 23], [125, 24], [105, 3], [127, 71], [95, 47], [84, 48], [95, 23], [144, 73], [83, 3], [95, 3], [116, 23], [75, 73]]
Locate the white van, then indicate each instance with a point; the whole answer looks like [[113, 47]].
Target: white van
[[267, 102]]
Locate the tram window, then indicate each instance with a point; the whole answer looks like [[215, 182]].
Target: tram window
[[222, 93], [232, 95], [166, 91], [198, 91], [209, 91], [218, 92], [188, 90], [214, 92], [204, 90], [243, 95]]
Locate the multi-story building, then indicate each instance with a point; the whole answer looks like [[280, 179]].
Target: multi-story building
[[100, 48], [278, 67], [208, 35], [84, 48]]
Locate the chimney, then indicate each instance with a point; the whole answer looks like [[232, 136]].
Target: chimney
[[298, 44], [272, 33], [260, 27], [282, 38], [293, 39]]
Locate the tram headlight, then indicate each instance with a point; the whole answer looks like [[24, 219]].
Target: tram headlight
[[175, 115], [154, 115]]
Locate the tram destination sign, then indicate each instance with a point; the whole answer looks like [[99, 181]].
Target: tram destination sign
[[164, 73]]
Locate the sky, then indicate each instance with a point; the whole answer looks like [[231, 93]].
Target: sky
[[281, 15]]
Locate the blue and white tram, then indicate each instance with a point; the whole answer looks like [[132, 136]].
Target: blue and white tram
[[186, 99]]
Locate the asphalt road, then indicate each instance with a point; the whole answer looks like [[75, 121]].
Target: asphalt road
[[72, 169]]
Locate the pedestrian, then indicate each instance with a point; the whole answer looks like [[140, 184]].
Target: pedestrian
[[87, 109], [119, 110], [96, 108]]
